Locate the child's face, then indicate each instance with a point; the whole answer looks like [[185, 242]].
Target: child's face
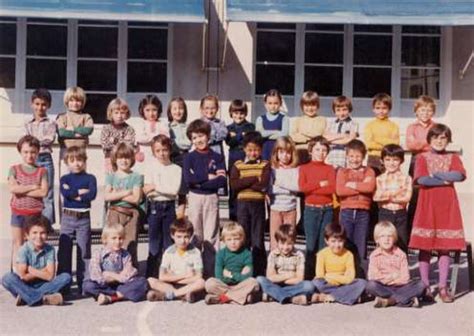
[[252, 151], [311, 110], [341, 112], [124, 164], [354, 159], [114, 241], [39, 107], [284, 156], [319, 152], [150, 111], [119, 114], [233, 242], [381, 110], [162, 153], [391, 163], [385, 240], [37, 236], [209, 109], [200, 141], [286, 247], [29, 154], [238, 117], [424, 113], [74, 105], [336, 245], [273, 104], [181, 239], [440, 142], [76, 165], [177, 111]]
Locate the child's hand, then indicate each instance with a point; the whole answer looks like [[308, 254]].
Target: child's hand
[[77, 135], [82, 191], [66, 186], [324, 183], [227, 273], [351, 185], [232, 134], [367, 179], [211, 176], [109, 276], [245, 270]]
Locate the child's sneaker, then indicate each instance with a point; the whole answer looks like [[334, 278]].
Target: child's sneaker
[[445, 296], [415, 303], [103, 299], [322, 298], [384, 303], [301, 300], [266, 297], [428, 296], [190, 297], [19, 301], [154, 295], [55, 299], [212, 299]]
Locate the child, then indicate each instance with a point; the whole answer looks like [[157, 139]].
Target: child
[[335, 271], [118, 131], [340, 131], [123, 189], [44, 129], [204, 173], [162, 185], [308, 126], [209, 107], [355, 186], [317, 180], [112, 275], [285, 270], [181, 269], [380, 131], [236, 132], [273, 124], [28, 184], [389, 277], [249, 178], [438, 223], [78, 189], [34, 281], [283, 186], [234, 269], [393, 192]]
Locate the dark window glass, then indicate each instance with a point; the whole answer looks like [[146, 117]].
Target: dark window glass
[[421, 29], [420, 50], [7, 39], [370, 81], [64, 21], [7, 73], [97, 75], [147, 24], [275, 47], [416, 82], [326, 81], [98, 22], [373, 28], [50, 74], [147, 43], [7, 18], [372, 49], [98, 42], [96, 106], [46, 40], [280, 77], [269, 25], [324, 48], [146, 77], [332, 27]]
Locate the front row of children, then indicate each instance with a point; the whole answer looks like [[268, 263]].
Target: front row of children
[[112, 276]]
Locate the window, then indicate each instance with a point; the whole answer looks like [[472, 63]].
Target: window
[[7, 52]]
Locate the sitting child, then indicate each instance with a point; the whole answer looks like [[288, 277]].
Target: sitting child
[[181, 268], [233, 269], [34, 281], [285, 270], [389, 278], [112, 275]]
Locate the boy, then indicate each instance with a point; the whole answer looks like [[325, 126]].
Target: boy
[[393, 192], [204, 173], [335, 272], [389, 277], [285, 271], [44, 129], [78, 189], [181, 269], [340, 131], [34, 282], [380, 131], [234, 269], [236, 132], [249, 178]]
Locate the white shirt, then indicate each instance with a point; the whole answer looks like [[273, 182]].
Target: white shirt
[[166, 179]]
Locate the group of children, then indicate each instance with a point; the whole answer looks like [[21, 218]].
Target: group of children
[[269, 164]]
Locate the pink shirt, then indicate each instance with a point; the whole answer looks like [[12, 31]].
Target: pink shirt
[[416, 137], [389, 266]]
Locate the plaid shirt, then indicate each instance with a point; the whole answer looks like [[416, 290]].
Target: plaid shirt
[[337, 155], [44, 130], [286, 264], [119, 262], [393, 191], [387, 267]]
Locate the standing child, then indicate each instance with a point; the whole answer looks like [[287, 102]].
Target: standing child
[[236, 132], [389, 277], [181, 269], [273, 124], [393, 192], [340, 131], [34, 279], [112, 274], [234, 269], [162, 185], [28, 184], [335, 271], [438, 223], [123, 189], [209, 107], [44, 129], [250, 178], [285, 271], [78, 189], [317, 180]]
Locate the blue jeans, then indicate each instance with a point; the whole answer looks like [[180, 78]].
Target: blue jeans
[[33, 292], [134, 290], [402, 294], [283, 292], [356, 224], [45, 160], [345, 294]]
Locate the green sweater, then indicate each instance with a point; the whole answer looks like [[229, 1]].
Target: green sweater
[[233, 262]]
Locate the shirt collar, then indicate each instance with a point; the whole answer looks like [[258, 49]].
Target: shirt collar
[[45, 118], [395, 251], [246, 160], [32, 248], [431, 123], [347, 120], [279, 253]]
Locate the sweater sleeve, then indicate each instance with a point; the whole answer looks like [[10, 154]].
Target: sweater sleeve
[[68, 192], [306, 185], [91, 195], [262, 185], [369, 186], [320, 265], [341, 180], [331, 187], [237, 183], [349, 274], [239, 277], [451, 176], [190, 174]]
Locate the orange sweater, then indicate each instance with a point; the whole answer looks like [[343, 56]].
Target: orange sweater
[[310, 177], [361, 196]]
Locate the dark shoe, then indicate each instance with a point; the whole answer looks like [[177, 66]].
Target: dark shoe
[[267, 298], [428, 296], [190, 297], [212, 299], [445, 296], [384, 303], [103, 299], [55, 299], [19, 301], [154, 295]]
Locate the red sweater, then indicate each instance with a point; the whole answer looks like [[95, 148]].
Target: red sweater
[[361, 196], [311, 174]]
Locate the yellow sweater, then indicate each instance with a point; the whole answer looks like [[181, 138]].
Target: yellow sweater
[[335, 269], [305, 128], [380, 132]]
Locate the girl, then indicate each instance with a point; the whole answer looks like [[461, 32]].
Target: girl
[[437, 224], [273, 124], [283, 186], [209, 107]]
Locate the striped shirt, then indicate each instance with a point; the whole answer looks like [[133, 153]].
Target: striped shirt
[[74, 128], [393, 190], [22, 204], [384, 265], [44, 130], [282, 264], [250, 179]]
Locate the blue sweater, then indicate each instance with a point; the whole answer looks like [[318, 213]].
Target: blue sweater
[[75, 182], [198, 165]]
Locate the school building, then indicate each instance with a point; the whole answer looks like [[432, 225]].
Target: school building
[[240, 49]]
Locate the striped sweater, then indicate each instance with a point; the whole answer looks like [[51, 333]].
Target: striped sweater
[[22, 204], [250, 179]]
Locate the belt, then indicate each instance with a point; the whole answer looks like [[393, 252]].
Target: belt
[[319, 206], [76, 214]]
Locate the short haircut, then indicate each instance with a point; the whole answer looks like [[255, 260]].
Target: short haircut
[[437, 130], [110, 229], [318, 139], [334, 230], [42, 94], [210, 97], [356, 145], [424, 101], [273, 93], [287, 144], [116, 102], [382, 98], [122, 150], [232, 228], [198, 126], [253, 137], [150, 100], [162, 140], [342, 101], [309, 98], [385, 226], [238, 105], [75, 152], [36, 220], [182, 225], [178, 100], [286, 233], [29, 140], [393, 150], [75, 93]]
